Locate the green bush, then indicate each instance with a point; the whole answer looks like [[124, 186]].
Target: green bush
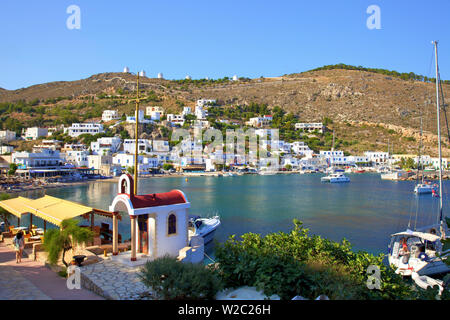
[[290, 264], [174, 280]]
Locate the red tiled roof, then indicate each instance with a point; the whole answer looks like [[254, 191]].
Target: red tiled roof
[[158, 199]]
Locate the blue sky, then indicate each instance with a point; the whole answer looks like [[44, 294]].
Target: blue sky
[[207, 38]]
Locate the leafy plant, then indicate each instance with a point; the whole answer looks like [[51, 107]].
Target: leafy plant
[[295, 263], [174, 280], [57, 241]]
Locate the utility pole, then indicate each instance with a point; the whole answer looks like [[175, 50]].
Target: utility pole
[[136, 136]]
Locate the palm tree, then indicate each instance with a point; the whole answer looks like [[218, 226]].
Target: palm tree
[[64, 239]]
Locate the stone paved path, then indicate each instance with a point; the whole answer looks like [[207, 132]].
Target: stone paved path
[[13, 286], [31, 280], [116, 280]]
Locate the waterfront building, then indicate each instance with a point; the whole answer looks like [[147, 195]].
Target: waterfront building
[[106, 145], [301, 149], [377, 157], [291, 161], [104, 164], [310, 127], [144, 146], [47, 159], [109, 115], [6, 135], [354, 160], [79, 158], [35, 133], [260, 121], [159, 223], [428, 161], [77, 129], [145, 163]]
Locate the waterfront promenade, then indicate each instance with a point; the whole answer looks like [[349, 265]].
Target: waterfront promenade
[[31, 280]]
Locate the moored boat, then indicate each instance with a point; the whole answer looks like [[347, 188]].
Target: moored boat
[[335, 178], [205, 227]]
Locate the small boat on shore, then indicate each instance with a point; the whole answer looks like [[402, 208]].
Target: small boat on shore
[[205, 227]]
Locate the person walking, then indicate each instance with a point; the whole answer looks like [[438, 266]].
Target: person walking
[[19, 245]]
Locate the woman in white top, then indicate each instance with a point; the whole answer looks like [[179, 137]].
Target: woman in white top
[[19, 245]]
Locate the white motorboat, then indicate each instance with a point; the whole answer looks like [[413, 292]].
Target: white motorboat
[[267, 173], [421, 250], [205, 227], [425, 188], [394, 175], [335, 178], [228, 174]]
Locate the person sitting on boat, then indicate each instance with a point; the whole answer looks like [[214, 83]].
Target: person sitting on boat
[[404, 247]]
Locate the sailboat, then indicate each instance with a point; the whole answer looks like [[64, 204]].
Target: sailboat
[[420, 251], [423, 187], [334, 175]]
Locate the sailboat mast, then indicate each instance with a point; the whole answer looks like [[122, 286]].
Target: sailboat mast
[[419, 165], [439, 132]]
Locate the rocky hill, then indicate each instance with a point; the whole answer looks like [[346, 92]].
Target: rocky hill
[[367, 107]]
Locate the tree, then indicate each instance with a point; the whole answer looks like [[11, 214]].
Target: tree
[[130, 170], [167, 166], [12, 169], [64, 239]]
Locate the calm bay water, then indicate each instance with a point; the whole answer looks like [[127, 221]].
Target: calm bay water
[[365, 211]]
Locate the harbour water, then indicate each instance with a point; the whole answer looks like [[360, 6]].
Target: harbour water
[[365, 211]]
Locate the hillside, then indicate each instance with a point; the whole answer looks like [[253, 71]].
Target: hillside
[[367, 108]]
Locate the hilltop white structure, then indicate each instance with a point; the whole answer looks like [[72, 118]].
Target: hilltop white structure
[[35, 133], [78, 129], [310, 127], [142, 73], [132, 119], [109, 115], [175, 119], [155, 113], [160, 76], [201, 113], [6, 135], [126, 70], [186, 111], [258, 122]]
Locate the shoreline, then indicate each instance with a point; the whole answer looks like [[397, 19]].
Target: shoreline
[[174, 175]]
